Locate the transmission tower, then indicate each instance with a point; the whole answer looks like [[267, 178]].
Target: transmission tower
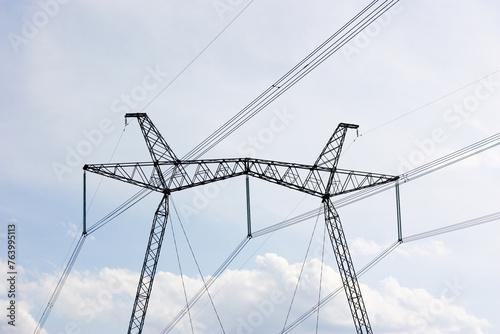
[[167, 174]]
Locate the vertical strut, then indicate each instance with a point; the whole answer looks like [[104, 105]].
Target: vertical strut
[[346, 269], [84, 204], [149, 267], [249, 220], [398, 211]]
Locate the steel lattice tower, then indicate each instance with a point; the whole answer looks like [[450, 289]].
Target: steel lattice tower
[[166, 174]]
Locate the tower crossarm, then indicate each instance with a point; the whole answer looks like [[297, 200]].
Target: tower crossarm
[[192, 173], [345, 181], [305, 178], [142, 174], [165, 173]]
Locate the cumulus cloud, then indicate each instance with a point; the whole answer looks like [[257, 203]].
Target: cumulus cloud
[[24, 323], [402, 310], [247, 301]]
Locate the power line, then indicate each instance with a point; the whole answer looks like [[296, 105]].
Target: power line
[[433, 166], [60, 283], [182, 276], [447, 229], [198, 267], [418, 172], [135, 199], [454, 227], [197, 56], [351, 29], [138, 196], [429, 103], [335, 292], [301, 271], [304, 67], [321, 276]]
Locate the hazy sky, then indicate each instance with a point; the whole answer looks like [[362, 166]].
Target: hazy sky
[[71, 69]]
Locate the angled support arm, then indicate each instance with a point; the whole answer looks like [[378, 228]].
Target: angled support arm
[[330, 155], [149, 268], [157, 145]]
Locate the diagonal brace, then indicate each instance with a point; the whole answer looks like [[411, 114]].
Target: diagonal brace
[[149, 268], [157, 146], [346, 269]]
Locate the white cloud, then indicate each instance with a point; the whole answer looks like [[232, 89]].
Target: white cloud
[[248, 301], [403, 310], [24, 322], [61, 85], [72, 229]]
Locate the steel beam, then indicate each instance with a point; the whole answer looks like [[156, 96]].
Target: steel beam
[[149, 265], [166, 174], [346, 269]]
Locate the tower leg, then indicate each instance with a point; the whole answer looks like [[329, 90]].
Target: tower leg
[[149, 268], [346, 269]]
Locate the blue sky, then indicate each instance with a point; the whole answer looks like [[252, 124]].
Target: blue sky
[[71, 69]]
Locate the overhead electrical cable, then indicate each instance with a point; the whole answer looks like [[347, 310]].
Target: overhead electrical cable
[[355, 29], [301, 271], [351, 29], [430, 167], [72, 259], [330, 296], [209, 283], [221, 269], [429, 103], [198, 267], [143, 192], [413, 174], [457, 156], [110, 159], [182, 276], [321, 276], [455, 227], [60, 283], [196, 57], [447, 229]]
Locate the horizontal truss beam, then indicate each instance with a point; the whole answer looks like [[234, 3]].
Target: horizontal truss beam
[[314, 180]]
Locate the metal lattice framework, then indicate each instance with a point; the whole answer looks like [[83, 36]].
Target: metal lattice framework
[[166, 174]]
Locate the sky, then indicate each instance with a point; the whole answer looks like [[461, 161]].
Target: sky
[[421, 82]]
